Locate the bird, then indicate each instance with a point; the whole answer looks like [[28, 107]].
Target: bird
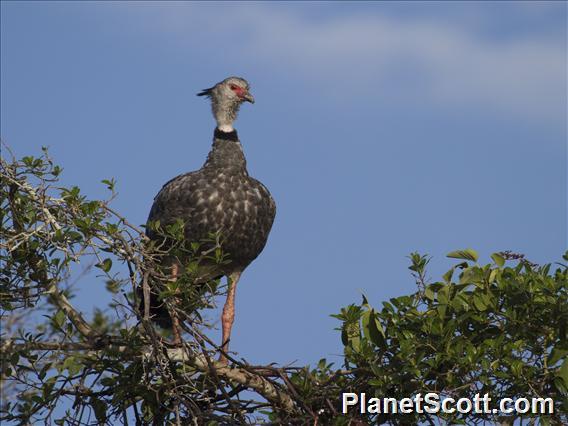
[[219, 198]]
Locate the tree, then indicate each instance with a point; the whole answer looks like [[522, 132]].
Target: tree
[[498, 329]]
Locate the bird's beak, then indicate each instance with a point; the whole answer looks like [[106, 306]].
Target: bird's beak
[[248, 97]]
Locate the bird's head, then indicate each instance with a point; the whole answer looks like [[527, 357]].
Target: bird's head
[[226, 98]]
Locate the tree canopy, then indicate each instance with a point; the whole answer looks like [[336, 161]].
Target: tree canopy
[[497, 329]]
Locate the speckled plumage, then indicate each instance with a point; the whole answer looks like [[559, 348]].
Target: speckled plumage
[[220, 197]]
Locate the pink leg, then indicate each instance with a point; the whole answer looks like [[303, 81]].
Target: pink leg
[[228, 316]]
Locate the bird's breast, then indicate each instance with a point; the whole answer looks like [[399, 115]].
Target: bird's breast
[[234, 205]]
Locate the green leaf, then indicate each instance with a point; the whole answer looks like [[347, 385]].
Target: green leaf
[[448, 275], [498, 259], [563, 372], [107, 381], [28, 160], [493, 275], [100, 409], [109, 183], [471, 275], [105, 265], [479, 303], [59, 319], [73, 365], [443, 295], [467, 254], [429, 293], [556, 355], [349, 332], [372, 328], [516, 367], [113, 286], [442, 311]]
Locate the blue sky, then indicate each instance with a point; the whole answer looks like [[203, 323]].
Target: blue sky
[[380, 129]]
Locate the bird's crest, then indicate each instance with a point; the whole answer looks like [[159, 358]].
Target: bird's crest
[[206, 92]]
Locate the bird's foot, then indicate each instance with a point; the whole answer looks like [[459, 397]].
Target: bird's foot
[[223, 360]]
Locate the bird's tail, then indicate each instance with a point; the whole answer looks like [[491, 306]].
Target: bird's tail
[[200, 285], [158, 311]]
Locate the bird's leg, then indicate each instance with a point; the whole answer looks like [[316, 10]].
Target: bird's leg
[[228, 314], [175, 320]]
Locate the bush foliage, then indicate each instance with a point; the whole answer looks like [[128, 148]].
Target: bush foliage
[[498, 328]]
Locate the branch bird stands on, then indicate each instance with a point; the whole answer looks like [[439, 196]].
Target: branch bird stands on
[[218, 199]]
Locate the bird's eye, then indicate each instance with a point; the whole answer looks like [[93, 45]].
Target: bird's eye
[[234, 87]]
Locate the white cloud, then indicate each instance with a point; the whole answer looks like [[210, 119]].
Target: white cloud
[[446, 62]]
